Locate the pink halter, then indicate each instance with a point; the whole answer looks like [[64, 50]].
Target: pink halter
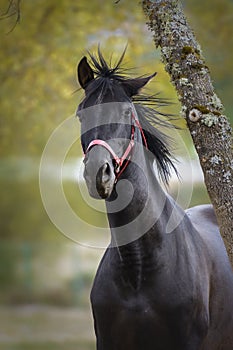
[[127, 154]]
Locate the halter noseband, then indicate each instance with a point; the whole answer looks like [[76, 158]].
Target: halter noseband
[[119, 168]]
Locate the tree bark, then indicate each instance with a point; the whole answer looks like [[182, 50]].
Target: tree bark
[[210, 130]]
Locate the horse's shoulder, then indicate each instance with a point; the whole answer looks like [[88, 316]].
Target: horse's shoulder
[[203, 216], [204, 220]]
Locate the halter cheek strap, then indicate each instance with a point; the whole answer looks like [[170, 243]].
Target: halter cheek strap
[[127, 154]]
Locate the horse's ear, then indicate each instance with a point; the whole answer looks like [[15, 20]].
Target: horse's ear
[[132, 87], [85, 73]]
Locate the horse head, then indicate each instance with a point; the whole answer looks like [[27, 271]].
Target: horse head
[[109, 121]]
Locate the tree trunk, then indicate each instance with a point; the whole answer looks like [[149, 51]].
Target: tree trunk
[[210, 130]]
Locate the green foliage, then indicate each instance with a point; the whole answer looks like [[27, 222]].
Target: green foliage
[[39, 91], [30, 273], [212, 22], [39, 58]]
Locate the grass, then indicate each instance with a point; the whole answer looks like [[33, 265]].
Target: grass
[[46, 328], [50, 346]]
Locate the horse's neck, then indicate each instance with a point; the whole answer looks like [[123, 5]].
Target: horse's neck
[[138, 229]]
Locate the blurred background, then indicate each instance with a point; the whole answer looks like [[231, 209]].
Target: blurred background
[[45, 277]]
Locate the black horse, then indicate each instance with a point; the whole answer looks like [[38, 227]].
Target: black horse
[[165, 281]]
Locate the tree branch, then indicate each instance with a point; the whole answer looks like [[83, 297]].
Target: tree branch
[[210, 130], [13, 9]]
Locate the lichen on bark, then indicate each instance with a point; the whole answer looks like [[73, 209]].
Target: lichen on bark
[[210, 130]]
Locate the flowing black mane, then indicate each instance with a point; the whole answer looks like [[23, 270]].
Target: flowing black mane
[[107, 80]]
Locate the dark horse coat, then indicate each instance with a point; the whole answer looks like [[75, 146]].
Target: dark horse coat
[[165, 282]]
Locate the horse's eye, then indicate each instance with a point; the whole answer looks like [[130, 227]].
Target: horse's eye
[[128, 112]]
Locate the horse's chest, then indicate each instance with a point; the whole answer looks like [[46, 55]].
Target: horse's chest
[[128, 319], [124, 323], [135, 323]]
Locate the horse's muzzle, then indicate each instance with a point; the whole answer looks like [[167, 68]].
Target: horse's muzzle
[[100, 179]]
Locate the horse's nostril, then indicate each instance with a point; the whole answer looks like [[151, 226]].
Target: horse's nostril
[[106, 172], [99, 178], [104, 180]]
